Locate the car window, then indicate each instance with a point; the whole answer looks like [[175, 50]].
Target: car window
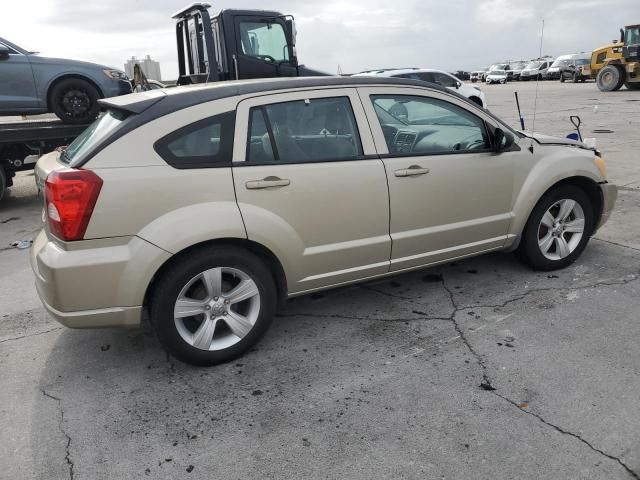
[[303, 131], [444, 80], [205, 143], [422, 125], [266, 41]]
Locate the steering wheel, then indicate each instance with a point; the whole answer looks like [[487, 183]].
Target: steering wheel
[[477, 144]]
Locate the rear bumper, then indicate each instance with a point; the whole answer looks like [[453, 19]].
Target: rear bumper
[[609, 196], [102, 284]]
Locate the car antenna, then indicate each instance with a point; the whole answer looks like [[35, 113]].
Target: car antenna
[[519, 112], [535, 101]]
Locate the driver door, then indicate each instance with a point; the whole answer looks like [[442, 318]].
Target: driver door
[[261, 46], [450, 194], [17, 85]]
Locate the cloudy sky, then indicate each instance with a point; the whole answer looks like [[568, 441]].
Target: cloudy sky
[[356, 34]]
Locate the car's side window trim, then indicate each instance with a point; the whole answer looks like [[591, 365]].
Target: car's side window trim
[[378, 137], [12, 51], [330, 95], [481, 120], [222, 158], [363, 128]]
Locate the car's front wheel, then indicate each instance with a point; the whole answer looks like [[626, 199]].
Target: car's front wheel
[[75, 101], [558, 229], [211, 306]]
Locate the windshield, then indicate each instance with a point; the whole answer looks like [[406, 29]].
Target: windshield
[[562, 63], [265, 41], [501, 66], [498, 72], [533, 66], [518, 66], [632, 36], [583, 61], [94, 133]]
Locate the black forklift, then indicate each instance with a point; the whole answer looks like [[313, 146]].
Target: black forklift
[[236, 45]]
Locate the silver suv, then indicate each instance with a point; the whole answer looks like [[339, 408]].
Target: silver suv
[[205, 205]]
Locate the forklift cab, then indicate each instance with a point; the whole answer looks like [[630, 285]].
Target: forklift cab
[[234, 45], [631, 38]]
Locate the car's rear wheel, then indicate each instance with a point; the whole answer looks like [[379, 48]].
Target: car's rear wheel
[[211, 306], [558, 229], [75, 101]]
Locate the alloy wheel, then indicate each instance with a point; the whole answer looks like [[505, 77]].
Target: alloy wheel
[[561, 229], [217, 308], [75, 102]]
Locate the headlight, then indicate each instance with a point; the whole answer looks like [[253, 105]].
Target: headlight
[[116, 74], [602, 166]]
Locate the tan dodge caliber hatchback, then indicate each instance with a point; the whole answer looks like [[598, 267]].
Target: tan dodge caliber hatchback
[[205, 205]]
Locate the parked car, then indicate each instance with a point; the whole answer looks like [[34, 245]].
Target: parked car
[[250, 192], [497, 74], [515, 69], [574, 70], [478, 75], [535, 70], [563, 61], [473, 93], [33, 84], [462, 75]]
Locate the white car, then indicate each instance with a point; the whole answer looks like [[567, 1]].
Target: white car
[[497, 76], [473, 93]]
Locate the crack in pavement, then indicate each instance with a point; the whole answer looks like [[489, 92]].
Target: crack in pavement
[[424, 316], [571, 434], [486, 382], [616, 244], [11, 339], [62, 430]]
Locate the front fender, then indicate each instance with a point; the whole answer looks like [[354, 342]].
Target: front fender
[[550, 169]]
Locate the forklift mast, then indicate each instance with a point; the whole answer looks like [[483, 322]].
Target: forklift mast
[[235, 44]]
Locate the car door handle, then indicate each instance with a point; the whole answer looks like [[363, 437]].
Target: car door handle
[[413, 170], [267, 182]]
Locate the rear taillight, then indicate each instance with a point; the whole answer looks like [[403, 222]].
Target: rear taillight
[[70, 196]]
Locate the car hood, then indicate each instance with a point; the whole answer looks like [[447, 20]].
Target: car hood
[[68, 62], [549, 140]]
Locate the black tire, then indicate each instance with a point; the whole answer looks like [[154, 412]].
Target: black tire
[[610, 78], [178, 275], [575, 78], [74, 101], [632, 85], [529, 250], [561, 77], [3, 182]]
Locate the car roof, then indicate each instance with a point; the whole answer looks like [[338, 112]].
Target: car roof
[[397, 71], [164, 101]]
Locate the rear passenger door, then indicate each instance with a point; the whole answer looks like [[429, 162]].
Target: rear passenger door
[[310, 187]]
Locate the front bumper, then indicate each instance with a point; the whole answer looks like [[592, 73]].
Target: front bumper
[[609, 196], [98, 285]]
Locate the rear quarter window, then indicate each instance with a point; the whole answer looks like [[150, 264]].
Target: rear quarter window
[[203, 144]]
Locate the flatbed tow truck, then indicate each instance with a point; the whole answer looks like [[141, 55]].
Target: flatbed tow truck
[[23, 141], [232, 45]]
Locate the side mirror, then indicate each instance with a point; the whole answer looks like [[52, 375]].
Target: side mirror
[[4, 52], [290, 28], [501, 140], [458, 85]]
